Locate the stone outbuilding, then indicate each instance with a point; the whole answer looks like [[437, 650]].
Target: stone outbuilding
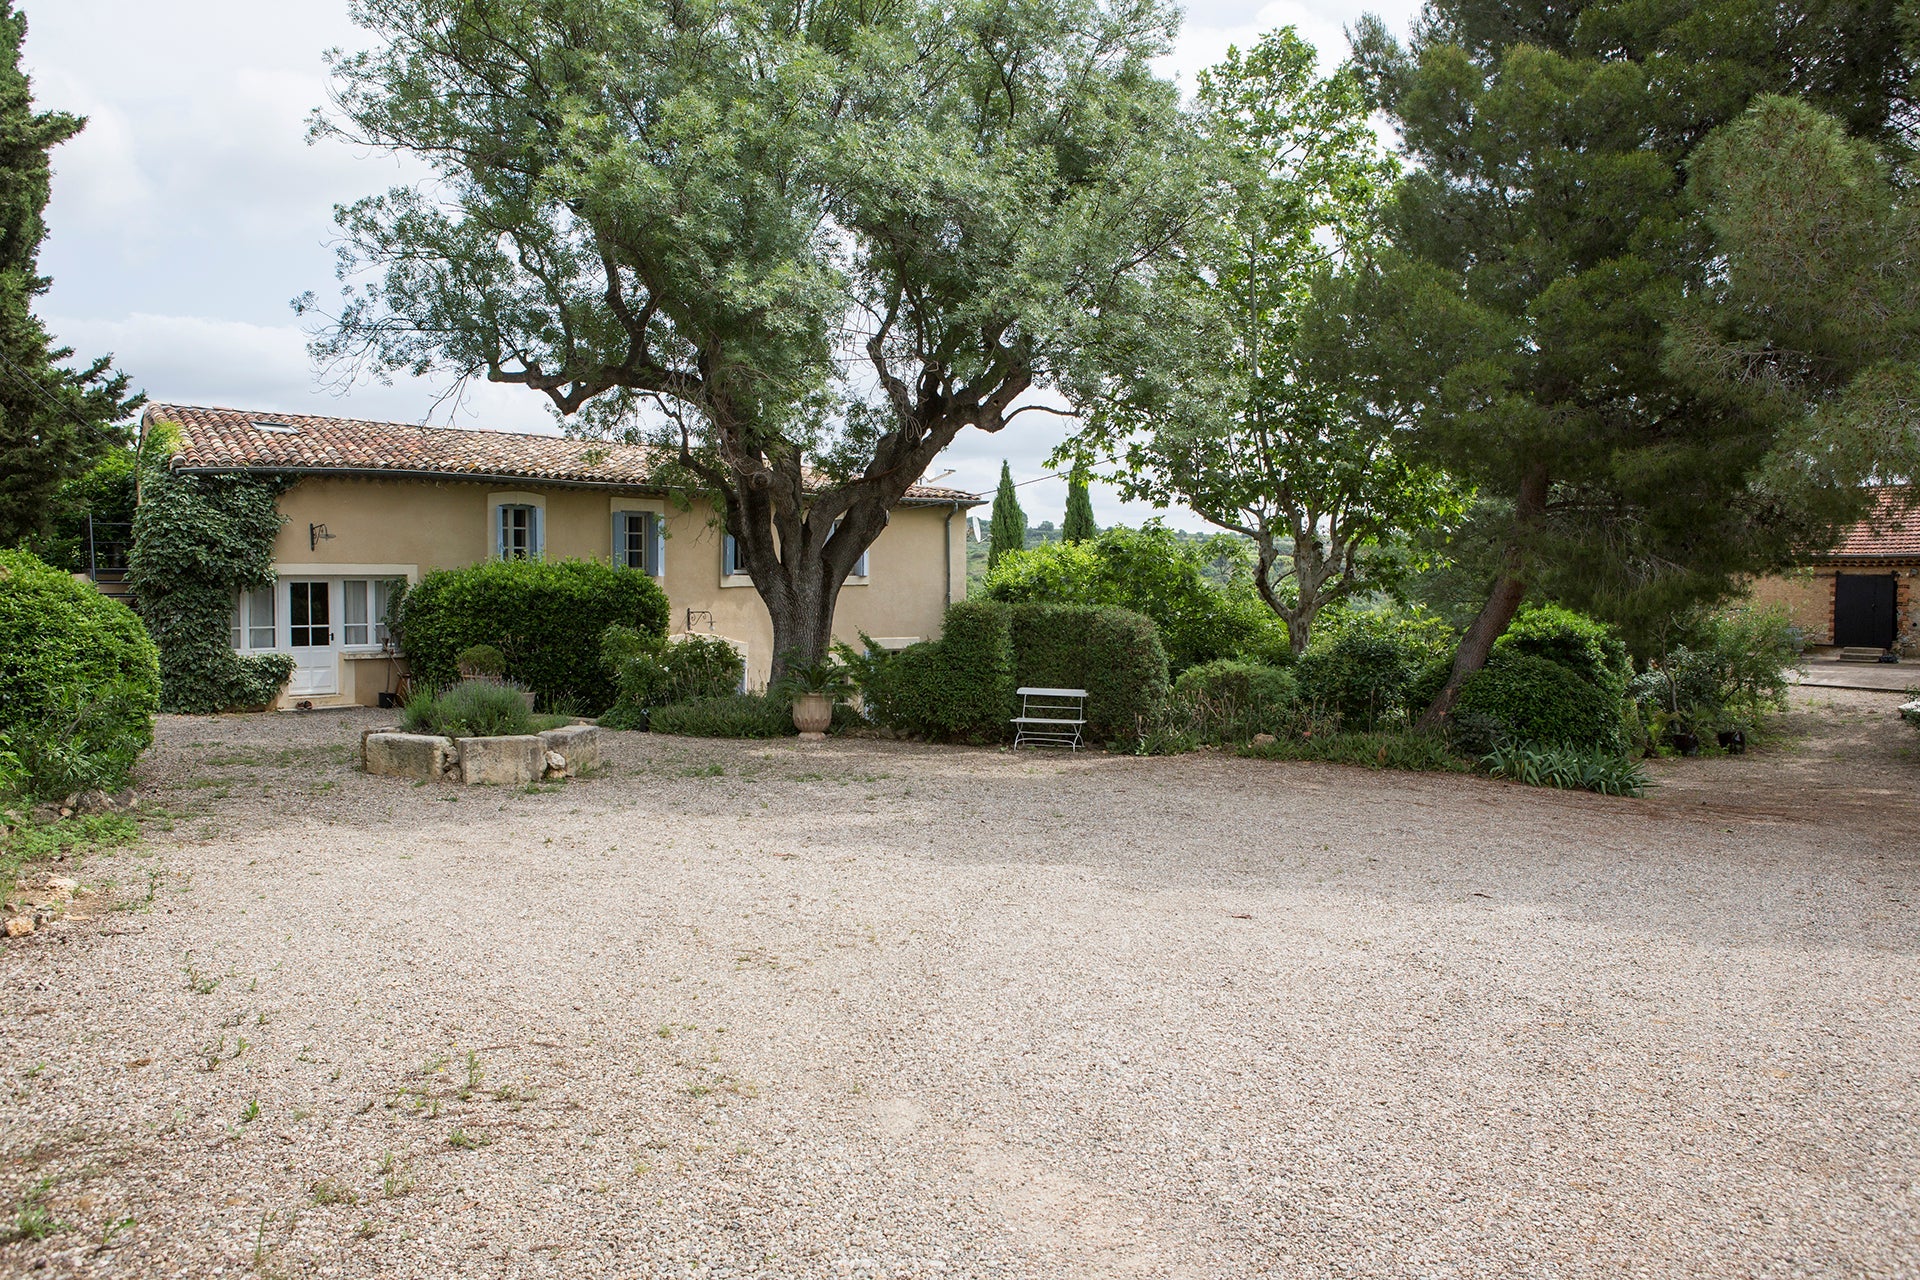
[[1860, 594]]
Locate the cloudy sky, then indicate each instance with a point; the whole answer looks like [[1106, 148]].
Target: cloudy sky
[[192, 209]]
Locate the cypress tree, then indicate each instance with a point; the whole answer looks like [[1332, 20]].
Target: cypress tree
[[54, 422], [1078, 525], [1009, 529]]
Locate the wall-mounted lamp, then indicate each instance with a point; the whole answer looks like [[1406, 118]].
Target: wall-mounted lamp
[[317, 534]]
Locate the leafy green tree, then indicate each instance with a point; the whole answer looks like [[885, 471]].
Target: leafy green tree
[[54, 421], [801, 247], [1078, 525], [1548, 209], [1223, 405], [1008, 530]]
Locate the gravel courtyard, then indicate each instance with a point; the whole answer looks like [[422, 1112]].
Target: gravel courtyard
[[874, 1009]]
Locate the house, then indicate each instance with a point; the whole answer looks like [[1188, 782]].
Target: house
[[373, 502], [1861, 593]]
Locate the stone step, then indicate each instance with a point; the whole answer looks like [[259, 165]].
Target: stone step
[[1861, 654]]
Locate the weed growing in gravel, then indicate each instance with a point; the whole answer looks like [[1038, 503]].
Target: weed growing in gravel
[[32, 1220], [113, 1228], [395, 1180], [250, 1112], [198, 981], [461, 1140], [474, 1076], [326, 1191], [212, 1054], [366, 1230]]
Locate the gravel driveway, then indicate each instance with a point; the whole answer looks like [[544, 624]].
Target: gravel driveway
[[874, 1009]]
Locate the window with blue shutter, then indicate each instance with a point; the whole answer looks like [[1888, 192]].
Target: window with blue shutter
[[638, 541], [730, 562], [518, 535]]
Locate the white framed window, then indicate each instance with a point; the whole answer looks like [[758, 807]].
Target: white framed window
[[639, 541], [363, 610], [517, 531], [252, 626]]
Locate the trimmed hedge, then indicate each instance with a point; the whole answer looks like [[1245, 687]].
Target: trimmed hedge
[[545, 617], [1588, 648], [1362, 675], [1536, 700], [79, 681], [962, 685], [738, 715]]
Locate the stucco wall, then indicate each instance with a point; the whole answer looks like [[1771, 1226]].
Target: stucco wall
[[406, 528]]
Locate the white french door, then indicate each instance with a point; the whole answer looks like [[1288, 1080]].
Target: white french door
[[311, 636]]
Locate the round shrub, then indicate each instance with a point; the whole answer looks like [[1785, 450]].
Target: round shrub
[[1360, 675], [480, 662], [545, 618], [1590, 649], [1535, 700], [79, 681]]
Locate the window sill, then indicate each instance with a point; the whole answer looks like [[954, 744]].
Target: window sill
[[735, 580]]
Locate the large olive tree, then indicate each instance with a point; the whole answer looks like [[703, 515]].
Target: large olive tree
[[803, 245]]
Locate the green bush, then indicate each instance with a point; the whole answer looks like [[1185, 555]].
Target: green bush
[[1231, 701], [1154, 573], [1361, 674], [651, 672], [197, 541], [79, 682], [1114, 654], [1588, 648], [481, 661], [473, 709], [545, 617], [1396, 749], [1538, 701], [737, 715], [956, 688], [1731, 674], [961, 686], [1607, 773]]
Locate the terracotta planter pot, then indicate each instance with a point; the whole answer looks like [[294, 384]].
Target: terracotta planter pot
[[812, 713]]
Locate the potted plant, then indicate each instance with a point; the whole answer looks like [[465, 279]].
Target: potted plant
[[814, 688]]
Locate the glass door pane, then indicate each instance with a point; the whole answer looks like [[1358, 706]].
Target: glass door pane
[[308, 615]]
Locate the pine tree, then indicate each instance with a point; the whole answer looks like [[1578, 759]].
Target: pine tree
[[1009, 529], [1078, 525], [54, 422], [1548, 210]]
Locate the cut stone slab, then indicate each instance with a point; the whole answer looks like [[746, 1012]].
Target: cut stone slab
[[502, 762], [578, 743], [407, 755]]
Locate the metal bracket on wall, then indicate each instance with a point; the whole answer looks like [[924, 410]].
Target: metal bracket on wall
[[701, 615]]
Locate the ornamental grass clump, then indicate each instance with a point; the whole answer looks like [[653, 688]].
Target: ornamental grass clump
[[471, 709]]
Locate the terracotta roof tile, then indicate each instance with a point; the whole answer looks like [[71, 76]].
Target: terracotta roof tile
[[1891, 531], [239, 440]]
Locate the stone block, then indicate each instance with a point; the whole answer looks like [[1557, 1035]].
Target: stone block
[[407, 755], [578, 743], [502, 762]]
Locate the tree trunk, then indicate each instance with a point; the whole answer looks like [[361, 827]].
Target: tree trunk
[[1509, 589]]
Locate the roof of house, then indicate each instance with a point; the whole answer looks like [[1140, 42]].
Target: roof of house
[[294, 443], [1890, 531]]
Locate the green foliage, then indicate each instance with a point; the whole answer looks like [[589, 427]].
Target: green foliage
[[1230, 701], [737, 715], [545, 617], [105, 492], [1554, 276], [1539, 702], [79, 682], [55, 418], [646, 203], [470, 709], [1728, 672], [1078, 525], [959, 687], [197, 542], [1227, 399], [1153, 572], [481, 661], [1589, 648], [1607, 773], [1008, 531], [30, 840], [800, 678], [1360, 675], [1397, 749], [653, 672], [1114, 654]]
